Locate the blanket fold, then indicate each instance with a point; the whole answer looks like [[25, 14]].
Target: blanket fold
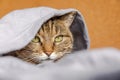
[[19, 27]]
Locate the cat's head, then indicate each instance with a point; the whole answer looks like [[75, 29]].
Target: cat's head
[[54, 38]]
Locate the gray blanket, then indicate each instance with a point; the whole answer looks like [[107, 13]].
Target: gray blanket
[[97, 64]]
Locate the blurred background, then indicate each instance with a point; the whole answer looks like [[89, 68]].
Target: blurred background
[[102, 16]]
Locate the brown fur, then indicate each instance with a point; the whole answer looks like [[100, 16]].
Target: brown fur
[[45, 46]]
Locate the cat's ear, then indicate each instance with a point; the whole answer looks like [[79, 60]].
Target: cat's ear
[[68, 18]]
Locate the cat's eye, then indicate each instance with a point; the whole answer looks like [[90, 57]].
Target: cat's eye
[[36, 39], [59, 38]]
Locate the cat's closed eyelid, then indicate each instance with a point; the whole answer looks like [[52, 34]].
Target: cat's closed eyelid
[[63, 35], [66, 36]]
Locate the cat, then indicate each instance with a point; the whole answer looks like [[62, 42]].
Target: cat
[[52, 41]]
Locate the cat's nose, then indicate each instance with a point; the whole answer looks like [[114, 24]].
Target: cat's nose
[[48, 53]]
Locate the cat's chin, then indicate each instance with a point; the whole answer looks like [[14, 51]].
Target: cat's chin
[[44, 57], [52, 57]]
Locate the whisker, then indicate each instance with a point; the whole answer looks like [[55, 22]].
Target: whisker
[[29, 58], [32, 57], [33, 60]]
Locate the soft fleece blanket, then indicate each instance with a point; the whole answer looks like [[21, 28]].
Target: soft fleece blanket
[[97, 64], [19, 27]]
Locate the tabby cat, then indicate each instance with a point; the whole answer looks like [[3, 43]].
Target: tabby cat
[[52, 41]]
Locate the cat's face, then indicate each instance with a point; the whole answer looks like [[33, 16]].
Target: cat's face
[[53, 40]]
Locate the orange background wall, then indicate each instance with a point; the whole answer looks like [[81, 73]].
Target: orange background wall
[[102, 16]]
